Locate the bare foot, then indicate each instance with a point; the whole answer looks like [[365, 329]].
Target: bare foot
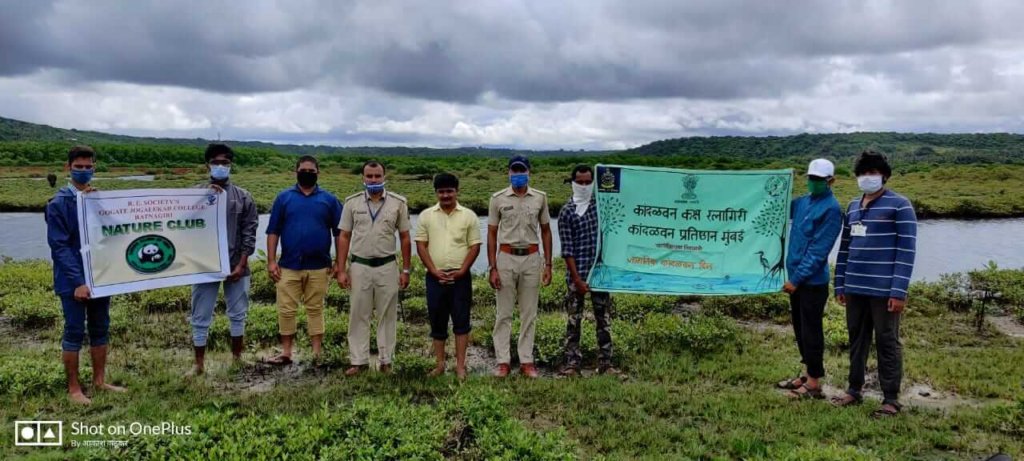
[[79, 398], [461, 373], [195, 371], [437, 371], [109, 387]]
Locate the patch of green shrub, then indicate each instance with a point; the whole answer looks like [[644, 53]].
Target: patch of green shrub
[[634, 307], [22, 376], [365, 429], [657, 331], [32, 309], [756, 307], [21, 276], [414, 309], [496, 435]]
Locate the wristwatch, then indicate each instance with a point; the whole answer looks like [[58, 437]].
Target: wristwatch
[[406, 271]]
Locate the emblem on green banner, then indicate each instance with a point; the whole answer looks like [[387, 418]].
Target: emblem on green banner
[[150, 254]]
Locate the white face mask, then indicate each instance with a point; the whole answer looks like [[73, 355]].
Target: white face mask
[[869, 184], [582, 193]]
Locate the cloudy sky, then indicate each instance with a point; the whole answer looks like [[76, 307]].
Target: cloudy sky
[[591, 74]]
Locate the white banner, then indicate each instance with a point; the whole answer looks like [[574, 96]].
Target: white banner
[[143, 239]]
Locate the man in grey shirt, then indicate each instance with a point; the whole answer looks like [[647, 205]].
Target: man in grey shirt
[[242, 220]]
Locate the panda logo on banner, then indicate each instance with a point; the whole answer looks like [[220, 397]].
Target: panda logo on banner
[[150, 254]]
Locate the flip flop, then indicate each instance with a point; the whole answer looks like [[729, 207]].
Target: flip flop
[[883, 412], [808, 393], [279, 360], [842, 402], [790, 384]]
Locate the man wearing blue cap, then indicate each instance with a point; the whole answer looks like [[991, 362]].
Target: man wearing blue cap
[[516, 215]]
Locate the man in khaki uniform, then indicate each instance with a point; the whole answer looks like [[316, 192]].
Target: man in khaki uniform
[[369, 221], [515, 216]]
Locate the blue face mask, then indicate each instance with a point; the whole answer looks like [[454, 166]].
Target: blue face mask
[[374, 189], [519, 180], [220, 172], [82, 176]]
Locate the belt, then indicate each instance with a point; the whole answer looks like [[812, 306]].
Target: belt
[[373, 262], [529, 250]]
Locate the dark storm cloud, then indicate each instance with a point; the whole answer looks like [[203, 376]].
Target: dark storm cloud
[[527, 51]]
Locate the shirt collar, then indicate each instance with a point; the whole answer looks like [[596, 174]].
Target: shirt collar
[[316, 190], [383, 196], [510, 191], [437, 207]]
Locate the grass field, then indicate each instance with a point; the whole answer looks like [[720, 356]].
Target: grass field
[[700, 385], [944, 191]]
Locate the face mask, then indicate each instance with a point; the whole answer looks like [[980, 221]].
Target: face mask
[[519, 180], [306, 179], [220, 172], [869, 184], [817, 187], [81, 176], [582, 193], [374, 189]]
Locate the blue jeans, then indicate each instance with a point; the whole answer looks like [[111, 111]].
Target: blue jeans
[[92, 315], [204, 298]]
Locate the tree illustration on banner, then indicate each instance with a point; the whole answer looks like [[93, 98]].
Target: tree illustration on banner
[[770, 222], [613, 215]]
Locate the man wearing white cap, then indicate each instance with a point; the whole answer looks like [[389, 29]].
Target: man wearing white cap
[[817, 221]]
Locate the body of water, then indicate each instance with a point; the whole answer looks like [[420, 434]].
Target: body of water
[[943, 245]]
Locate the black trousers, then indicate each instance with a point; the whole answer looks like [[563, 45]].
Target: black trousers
[[868, 316], [807, 308]]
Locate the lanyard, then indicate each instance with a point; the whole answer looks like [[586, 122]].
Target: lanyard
[[862, 209], [373, 216]]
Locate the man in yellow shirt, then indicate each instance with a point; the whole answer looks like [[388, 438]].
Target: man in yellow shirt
[[448, 241]]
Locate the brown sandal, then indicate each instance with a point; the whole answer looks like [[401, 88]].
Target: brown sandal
[[807, 393], [791, 384], [846, 399], [887, 410]]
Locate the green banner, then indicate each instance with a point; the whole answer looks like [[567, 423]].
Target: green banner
[[667, 231]]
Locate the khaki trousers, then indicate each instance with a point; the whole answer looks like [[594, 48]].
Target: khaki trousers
[[520, 281], [372, 288], [307, 287]]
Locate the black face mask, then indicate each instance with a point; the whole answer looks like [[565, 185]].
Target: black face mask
[[306, 179]]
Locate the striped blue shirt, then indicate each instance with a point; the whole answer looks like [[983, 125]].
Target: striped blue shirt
[[880, 262]]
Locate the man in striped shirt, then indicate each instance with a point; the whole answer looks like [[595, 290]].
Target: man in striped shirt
[[876, 258]]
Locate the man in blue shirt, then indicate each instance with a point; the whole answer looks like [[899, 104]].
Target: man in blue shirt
[[817, 220], [82, 312], [876, 258], [304, 219]]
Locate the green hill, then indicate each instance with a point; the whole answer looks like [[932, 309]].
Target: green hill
[[28, 144]]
